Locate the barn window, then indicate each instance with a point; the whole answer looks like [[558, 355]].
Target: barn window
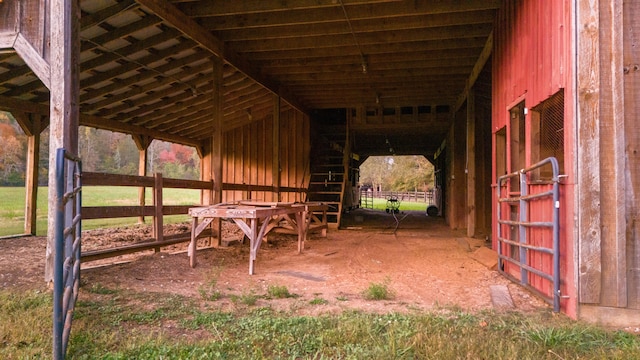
[[547, 134]]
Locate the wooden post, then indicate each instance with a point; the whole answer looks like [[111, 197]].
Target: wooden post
[[158, 223], [275, 140], [471, 163], [64, 60], [216, 141], [588, 153], [31, 181], [142, 143], [612, 154]]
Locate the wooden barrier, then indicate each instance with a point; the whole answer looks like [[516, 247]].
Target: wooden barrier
[[158, 210]]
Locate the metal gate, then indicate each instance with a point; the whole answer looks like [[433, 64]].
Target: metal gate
[[66, 277], [515, 233]]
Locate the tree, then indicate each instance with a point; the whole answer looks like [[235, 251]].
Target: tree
[[397, 173]]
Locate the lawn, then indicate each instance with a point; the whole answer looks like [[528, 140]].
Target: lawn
[[110, 323], [381, 204], [13, 199]]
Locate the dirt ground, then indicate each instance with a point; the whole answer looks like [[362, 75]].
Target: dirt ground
[[423, 262]]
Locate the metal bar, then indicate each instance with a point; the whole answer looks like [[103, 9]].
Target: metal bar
[[530, 247], [530, 224], [524, 225], [522, 230]]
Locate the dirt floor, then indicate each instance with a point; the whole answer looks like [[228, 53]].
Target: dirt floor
[[423, 262]]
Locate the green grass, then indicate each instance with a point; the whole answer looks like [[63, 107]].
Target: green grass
[[381, 204], [378, 291], [13, 204], [124, 324]]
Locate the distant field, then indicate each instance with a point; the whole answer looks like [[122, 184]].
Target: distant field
[[381, 204], [12, 206]]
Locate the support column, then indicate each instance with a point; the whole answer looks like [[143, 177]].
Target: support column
[[142, 143], [471, 163], [64, 36], [216, 141], [31, 181], [275, 140], [31, 125]]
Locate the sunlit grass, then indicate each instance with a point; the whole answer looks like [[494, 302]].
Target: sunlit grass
[[13, 200], [123, 324]]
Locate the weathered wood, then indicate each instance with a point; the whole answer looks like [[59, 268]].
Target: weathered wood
[[612, 157], [191, 28], [477, 69], [142, 143], [217, 144], [300, 14], [631, 75], [275, 143], [64, 36], [158, 219], [133, 248], [471, 163], [104, 179], [31, 175], [111, 212], [588, 156]]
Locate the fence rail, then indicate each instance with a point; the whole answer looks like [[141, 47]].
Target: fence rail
[[157, 210], [409, 196]]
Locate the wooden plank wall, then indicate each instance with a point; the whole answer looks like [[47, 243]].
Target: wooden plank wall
[[631, 62], [532, 60], [248, 157]]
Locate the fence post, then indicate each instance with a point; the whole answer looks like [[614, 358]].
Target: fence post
[[157, 203]]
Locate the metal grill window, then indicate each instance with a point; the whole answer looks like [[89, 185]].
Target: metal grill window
[[548, 133]]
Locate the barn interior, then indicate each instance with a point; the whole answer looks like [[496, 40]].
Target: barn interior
[[277, 97]]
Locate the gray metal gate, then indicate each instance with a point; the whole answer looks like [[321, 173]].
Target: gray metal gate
[[66, 277], [518, 239]]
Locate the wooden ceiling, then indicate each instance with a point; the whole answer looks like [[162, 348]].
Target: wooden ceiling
[[146, 67]]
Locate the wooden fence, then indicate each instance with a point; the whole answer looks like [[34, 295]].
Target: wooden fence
[[367, 196], [158, 210]]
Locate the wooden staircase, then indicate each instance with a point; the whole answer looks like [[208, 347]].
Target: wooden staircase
[[328, 177]]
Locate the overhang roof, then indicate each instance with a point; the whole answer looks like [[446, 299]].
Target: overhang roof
[[145, 64]]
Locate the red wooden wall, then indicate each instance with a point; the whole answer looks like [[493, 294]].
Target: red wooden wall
[[532, 61]]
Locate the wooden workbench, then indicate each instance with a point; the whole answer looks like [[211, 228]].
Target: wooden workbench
[[256, 219]]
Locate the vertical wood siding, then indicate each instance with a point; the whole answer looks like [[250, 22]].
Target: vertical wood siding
[[531, 62], [631, 71], [248, 158]]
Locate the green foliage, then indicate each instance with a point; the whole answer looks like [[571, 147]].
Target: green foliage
[[378, 291], [279, 292], [318, 301], [247, 298], [397, 173]]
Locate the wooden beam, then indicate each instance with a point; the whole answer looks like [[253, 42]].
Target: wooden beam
[[588, 153], [217, 139], [612, 156], [34, 59], [192, 29], [64, 35], [275, 148], [471, 163], [477, 69], [366, 39], [258, 6], [31, 174], [287, 13], [142, 143], [340, 26]]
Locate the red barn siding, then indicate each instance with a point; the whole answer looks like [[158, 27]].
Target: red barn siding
[[532, 61]]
